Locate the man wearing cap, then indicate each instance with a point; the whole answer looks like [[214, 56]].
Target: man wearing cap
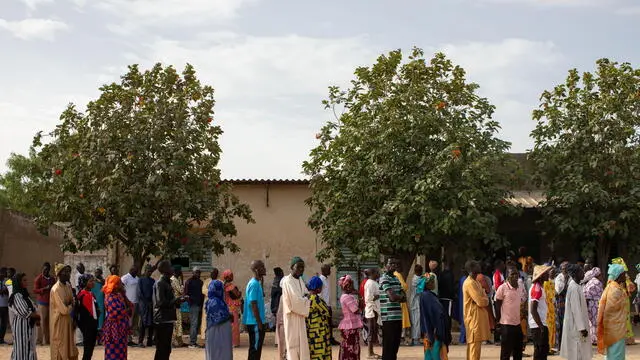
[[476, 316], [295, 304], [60, 323], [538, 312], [193, 289]]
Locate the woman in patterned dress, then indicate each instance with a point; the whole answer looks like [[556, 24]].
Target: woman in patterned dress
[[23, 321], [318, 330], [550, 297], [351, 323], [593, 292], [233, 298], [115, 330]]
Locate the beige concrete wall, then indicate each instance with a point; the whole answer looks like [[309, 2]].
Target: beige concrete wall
[[24, 248], [280, 232]]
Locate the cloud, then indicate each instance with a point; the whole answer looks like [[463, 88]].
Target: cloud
[[556, 3], [628, 11], [162, 13], [33, 4], [511, 73], [31, 29]]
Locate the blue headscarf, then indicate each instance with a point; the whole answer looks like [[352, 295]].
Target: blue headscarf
[[217, 310], [615, 270], [315, 283]]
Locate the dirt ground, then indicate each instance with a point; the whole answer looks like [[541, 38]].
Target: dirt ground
[[456, 352]]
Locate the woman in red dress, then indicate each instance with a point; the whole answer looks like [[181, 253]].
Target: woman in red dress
[[115, 330]]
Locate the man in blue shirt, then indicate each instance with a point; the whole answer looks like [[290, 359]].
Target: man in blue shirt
[[254, 310]]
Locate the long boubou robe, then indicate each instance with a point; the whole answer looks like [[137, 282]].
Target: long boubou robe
[[295, 311], [63, 345], [576, 318]]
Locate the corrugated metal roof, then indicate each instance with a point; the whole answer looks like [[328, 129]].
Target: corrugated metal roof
[[527, 199]]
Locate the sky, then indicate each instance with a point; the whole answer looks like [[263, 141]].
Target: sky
[[271, 62]]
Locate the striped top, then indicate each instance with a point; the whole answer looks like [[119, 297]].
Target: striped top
[[389, 310]]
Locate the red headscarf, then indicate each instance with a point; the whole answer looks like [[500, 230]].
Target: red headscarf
[[227, 275]]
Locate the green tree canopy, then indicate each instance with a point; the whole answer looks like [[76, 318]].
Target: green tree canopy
[[587, 157], [412, 163], [15, 182], [139, 168]]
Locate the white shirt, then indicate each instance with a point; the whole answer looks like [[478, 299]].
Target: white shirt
[[372, 307], [131, 287], [536, 293], [325, 294], [576, 319]]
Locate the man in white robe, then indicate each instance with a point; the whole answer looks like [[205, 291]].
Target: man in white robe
[[576, 344], [295, 302]]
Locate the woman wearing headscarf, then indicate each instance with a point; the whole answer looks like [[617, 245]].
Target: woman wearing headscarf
[[550, 298], [233, 298], [115, 330], [593, 292], [218, 344], [630, 288], [87, 316], [23, 320], [351, 322], [613, 313], [318, 330], [434, 322], [98, 283]]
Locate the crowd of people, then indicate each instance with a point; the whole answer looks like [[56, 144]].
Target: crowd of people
[[569, 309]]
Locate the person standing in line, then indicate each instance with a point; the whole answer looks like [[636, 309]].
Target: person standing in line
[[276, 293], [406, 318], [318, 322], [254, 316], [415, 304], [509, 298], [42, 288], [178, 292], [87, 316], [613, 313], [98, 284], [218, 343], [433, 269], [295, 309], [434, 322], [538, 313], [476, 317], [550, 296], [233, 297], [460, 304], [498, 280], [372, 309], [213, 275], [575, 342], [23, 322], [117, 322], [561, 283], [325, 272], [4, 305], [145, 306], [193, 289], [80, 269], [593, 292], [61, 332], [392, 296], [130, 281], [165, 310], [351, 323]]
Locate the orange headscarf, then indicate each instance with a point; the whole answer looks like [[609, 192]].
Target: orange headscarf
[[110, 284], [227, 275]]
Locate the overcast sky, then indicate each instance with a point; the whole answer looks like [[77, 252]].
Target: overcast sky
[[272, 61]]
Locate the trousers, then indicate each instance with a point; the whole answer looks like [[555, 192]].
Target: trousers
[[164, 332], [391, 338], [511, 344]]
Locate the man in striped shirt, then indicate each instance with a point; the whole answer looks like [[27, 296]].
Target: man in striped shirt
[[391, 296]]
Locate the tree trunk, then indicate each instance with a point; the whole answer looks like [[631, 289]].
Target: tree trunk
[[138, 261], [603, 250]]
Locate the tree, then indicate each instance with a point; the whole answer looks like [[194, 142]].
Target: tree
[[412, 163], [13, 184], [139, 168], [587, 157]]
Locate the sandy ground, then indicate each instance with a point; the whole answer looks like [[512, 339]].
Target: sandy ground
[[457, 352]]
